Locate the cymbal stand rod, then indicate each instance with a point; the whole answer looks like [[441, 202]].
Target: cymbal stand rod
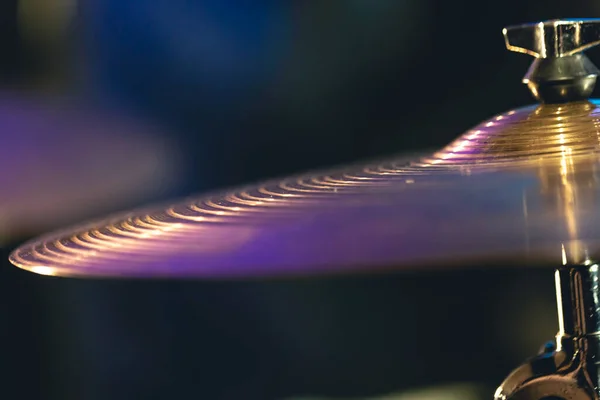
[[569, 369], [578, 301]]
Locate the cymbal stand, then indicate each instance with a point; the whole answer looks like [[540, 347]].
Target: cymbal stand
[[567, 369]]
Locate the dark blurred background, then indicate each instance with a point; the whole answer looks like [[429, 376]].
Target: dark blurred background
[[247, 90]]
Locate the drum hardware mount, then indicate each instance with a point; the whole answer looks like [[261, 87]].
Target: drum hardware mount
[[567, 369]]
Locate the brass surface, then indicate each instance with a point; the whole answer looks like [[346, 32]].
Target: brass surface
[[522, 138], [521, 188]]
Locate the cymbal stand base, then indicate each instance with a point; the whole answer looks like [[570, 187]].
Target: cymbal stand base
[[569, 369]]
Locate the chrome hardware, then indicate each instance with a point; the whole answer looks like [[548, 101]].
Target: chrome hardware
[[561, 72]]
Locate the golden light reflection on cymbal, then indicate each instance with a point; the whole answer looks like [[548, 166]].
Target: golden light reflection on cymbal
[[544, 152]]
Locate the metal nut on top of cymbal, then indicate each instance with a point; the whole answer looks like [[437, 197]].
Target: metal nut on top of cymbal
[[554, 38], [561, 72]]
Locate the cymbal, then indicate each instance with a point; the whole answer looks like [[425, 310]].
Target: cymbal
[[520, 188], [63, 161]]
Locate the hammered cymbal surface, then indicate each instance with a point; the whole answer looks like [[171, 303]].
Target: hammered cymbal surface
[[520, 188]]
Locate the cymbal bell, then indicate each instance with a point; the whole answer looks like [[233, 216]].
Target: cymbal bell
[[520, 188]]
